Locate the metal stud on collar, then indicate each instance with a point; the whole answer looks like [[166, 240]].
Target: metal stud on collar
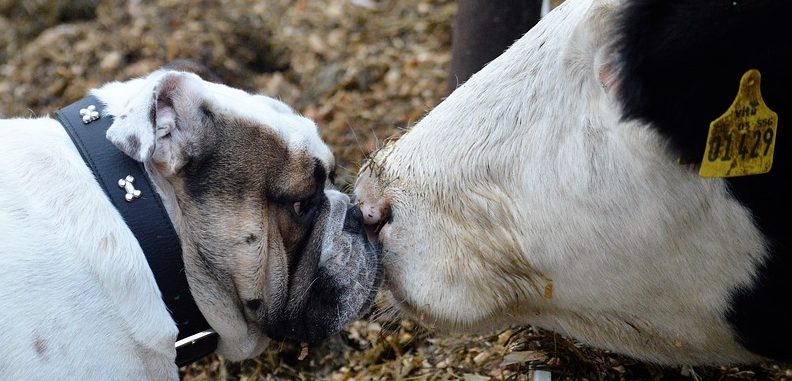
[[89, 114], [131, 192]]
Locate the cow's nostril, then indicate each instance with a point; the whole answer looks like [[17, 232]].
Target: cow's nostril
[[374, 213], [253, 304], [369, 198]]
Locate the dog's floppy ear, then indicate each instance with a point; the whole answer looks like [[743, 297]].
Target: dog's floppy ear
[[161, 122]]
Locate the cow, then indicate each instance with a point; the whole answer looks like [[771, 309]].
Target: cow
[[584, 182]]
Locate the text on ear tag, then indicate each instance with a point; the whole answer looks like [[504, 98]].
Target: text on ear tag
[[741, 141]]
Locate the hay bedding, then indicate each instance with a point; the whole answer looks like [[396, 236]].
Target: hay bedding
[[363, 69]]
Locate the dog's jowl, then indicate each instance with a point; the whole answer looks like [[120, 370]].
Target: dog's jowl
[[270, 248], [560, 186]]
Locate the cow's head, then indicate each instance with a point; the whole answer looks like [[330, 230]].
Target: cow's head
[[559, 186]]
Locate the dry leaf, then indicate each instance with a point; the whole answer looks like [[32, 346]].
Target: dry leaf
[[523, 357], [303, 351]]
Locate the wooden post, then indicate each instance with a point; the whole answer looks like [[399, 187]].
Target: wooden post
[[483, 29]]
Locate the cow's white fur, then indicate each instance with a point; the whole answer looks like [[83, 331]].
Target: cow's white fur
[[78, 300], [526, 175]]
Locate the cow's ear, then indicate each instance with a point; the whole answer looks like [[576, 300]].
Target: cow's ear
[[680, 62], [606, 68], [594, 38]]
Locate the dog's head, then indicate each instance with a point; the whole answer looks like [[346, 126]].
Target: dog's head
[[271, 249]]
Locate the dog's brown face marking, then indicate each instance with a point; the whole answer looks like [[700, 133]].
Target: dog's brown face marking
[[242, 160], [244, 178]]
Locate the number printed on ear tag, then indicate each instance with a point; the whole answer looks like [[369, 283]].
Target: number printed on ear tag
[[742, 140]]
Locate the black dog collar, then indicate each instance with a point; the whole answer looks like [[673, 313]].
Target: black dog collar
[[125, 182]]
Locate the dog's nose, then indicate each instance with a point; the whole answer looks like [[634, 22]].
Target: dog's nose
[[353, 222]]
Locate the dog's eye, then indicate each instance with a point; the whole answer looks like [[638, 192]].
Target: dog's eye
[[298, 208], [306, 209], [303, 207]]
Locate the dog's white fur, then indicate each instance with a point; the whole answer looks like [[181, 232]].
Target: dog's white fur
[[78, 299], [77, 289], [524, 198]]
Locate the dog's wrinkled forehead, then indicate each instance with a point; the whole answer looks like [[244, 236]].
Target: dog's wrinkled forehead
[[299, 133]]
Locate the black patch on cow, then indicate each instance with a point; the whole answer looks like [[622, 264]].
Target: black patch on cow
[[680, 64]]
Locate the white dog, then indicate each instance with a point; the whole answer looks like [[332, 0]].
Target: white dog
[[548, 190], [270, 248]]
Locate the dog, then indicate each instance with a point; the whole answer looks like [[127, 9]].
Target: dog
[[565, 185], [271, 249]]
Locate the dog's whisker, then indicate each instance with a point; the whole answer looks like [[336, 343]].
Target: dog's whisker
[[307, 289]]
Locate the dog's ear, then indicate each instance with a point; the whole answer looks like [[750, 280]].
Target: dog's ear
[[162, 124]]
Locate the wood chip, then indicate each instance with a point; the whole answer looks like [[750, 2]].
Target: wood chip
[[481, 358], [475, 377], [523, 357], [303, 351]]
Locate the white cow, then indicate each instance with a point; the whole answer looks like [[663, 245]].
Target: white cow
[[549, 190]]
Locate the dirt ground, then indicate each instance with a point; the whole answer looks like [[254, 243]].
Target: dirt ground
[[364, 70]]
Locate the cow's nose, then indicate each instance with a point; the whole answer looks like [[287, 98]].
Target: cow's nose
[[374, 211], [374, 208]]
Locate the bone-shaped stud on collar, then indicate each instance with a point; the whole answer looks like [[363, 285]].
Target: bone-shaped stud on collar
[[89, 114], [131, 192]]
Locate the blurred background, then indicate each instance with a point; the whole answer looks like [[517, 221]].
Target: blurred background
[[364, 70]]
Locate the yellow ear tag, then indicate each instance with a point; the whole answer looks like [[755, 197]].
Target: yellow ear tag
[[742, 140]]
